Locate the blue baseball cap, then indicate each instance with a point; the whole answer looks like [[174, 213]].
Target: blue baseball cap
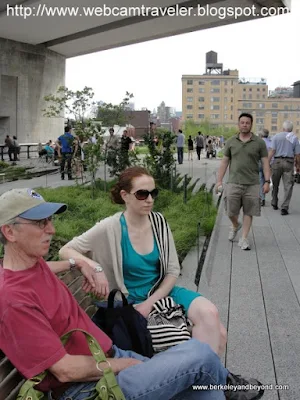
[[27, 204]]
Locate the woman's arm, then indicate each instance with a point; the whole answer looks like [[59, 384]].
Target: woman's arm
[[84, 244]]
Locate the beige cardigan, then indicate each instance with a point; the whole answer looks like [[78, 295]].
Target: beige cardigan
[[102, 243]]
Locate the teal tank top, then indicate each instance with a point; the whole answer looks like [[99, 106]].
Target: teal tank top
[[140, 272]]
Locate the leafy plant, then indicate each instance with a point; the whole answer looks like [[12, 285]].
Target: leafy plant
[[79, 104], [160, 160]]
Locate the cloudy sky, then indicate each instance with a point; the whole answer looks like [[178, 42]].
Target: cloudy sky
[[152, 71]]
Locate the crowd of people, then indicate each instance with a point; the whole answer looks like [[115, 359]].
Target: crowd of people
[[207, 144]]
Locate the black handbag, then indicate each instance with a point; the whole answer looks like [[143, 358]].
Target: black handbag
[[124, 325]]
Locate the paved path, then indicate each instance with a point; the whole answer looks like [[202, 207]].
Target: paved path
[[258, 295]]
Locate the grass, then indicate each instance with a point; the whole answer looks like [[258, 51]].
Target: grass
[[83, 212]]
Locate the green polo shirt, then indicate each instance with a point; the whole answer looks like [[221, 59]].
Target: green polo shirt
[[244, 158]]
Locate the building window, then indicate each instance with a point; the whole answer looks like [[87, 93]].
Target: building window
[[263, 96], [215, 107], [225, 99], [215, 116], [231, 99], [244, 90], [226, 83], [215, 99], [244, 96], [261, 114], [274, 105], [231, 108], [259, 120], [285, 115], [247, 105], [250, 96], [225, 107], [189, 107], [264, 89], [189, 90], [261, 105], [297, 130], [201, 90], [190, 99], [201, 107], [215, 90], [258, 89], [225, 90], [231, 91], [286, 107], [274, 121], [274, 114], [250, 89], [215, 82], [231, 117], [201, 99], [257, 96], [201, 82], [189, 116], [298, 123], [190, 81], [274, 128], [201, 116]]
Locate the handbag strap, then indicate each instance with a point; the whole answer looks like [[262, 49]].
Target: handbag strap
[[111, 298], [98, 355]]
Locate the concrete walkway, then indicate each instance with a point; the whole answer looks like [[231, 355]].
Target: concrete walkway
[[257, 293]]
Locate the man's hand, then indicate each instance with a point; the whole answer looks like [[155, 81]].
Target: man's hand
[[95, 282], [119, 364], [144, 308], [266, 188], [218, 184]]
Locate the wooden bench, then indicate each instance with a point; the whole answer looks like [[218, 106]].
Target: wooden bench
[[10, 379]]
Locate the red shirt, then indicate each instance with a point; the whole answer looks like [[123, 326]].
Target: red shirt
[[36, 309]]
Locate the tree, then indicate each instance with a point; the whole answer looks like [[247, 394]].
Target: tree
[[78, 105], [117, 159], [160, 161]]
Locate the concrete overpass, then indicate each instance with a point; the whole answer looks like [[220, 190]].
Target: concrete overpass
[[36, 38]]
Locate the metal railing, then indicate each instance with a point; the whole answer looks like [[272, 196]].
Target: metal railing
[[27, 150]]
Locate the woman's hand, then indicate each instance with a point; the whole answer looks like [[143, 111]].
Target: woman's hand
[[95, 282], [144, 308]]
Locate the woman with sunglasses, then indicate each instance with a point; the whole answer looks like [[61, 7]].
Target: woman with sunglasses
[[134, 251]]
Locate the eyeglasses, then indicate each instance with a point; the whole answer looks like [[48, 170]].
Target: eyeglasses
[[41, 223], [143, 194]]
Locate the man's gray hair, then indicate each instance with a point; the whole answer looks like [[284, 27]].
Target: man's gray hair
[[3, 239], [288, 126]]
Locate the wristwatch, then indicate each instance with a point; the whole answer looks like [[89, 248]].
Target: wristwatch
[[267, 181], [98, 268], [72, 264]]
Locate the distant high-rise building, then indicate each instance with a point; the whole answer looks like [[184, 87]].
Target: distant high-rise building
[[220, 96]]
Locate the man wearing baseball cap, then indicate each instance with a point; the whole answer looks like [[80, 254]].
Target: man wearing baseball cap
[[37, 309]]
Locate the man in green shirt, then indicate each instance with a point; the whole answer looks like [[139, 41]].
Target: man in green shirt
[[242, 153]]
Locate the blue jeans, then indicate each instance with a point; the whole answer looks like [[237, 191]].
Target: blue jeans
[[261, 183], [168, 375]]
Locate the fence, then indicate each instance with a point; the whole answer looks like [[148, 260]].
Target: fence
[[27, 150]]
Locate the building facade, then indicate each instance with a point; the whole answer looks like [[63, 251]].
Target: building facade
[[221, 96]]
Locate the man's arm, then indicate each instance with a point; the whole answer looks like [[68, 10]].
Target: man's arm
[[271, 154], [266, 168], [84, 368], [222, 171]]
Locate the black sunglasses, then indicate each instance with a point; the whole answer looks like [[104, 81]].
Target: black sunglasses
[[143, 194]]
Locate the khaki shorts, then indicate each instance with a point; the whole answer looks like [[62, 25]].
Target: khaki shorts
[[246, 196]]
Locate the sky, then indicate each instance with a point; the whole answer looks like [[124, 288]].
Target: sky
[[266, 48]]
